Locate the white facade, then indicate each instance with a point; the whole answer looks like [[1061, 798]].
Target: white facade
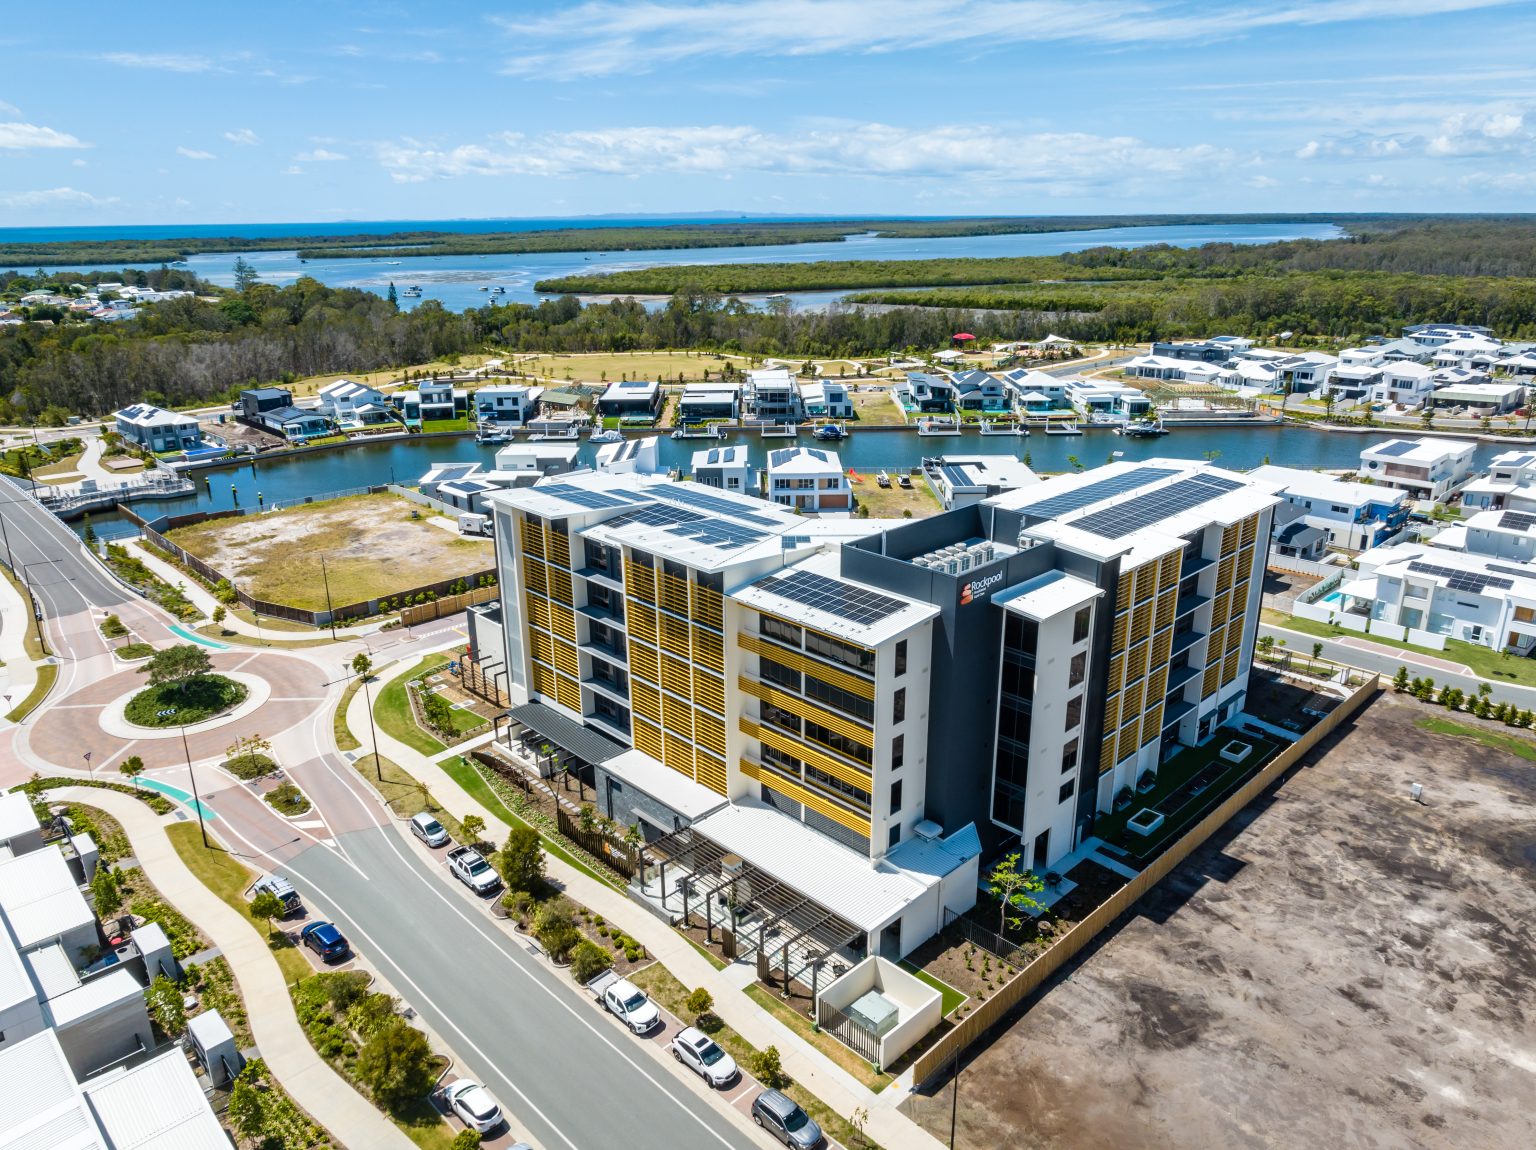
[[156, 429], [1404, 383], [1510, 483], [1496, 534], [1355, 516], [826, 399], [728, 468], [351, 404], [771, 394], [514, 403], [809, 480], [1426, 468]]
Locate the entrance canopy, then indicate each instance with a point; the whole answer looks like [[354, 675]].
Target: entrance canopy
[[567, 734]]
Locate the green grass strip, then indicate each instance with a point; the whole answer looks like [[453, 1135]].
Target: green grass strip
[[1493, 740]]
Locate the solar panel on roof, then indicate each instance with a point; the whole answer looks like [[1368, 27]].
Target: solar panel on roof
[[686, 524], [1155, 506], [1094, 492], [583, 497], [844, 600], [1396, 447], [713, 504], [1517, 520], [1473, 582]]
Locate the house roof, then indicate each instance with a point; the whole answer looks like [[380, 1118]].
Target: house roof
[[290, 415], [811, 460], [148, 415], [273, 392], [40, 898], [156, 1105], [41, 1107], [16, 815]]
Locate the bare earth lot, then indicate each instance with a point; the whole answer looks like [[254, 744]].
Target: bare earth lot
[[372, 548], [1340, 967]]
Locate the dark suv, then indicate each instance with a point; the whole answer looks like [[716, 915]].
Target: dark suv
[[782, 1117], [325, 940]]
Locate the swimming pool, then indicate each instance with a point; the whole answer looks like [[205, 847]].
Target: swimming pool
[[194, 637], [176, 793], [1333, 597]]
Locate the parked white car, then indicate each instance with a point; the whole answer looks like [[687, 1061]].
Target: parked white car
[[702, 1054], [428, 830], [474, 1106], [626, 1001]]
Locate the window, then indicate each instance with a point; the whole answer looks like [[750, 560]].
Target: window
[[839, 743], [1080, 623], [901, 657], [893, 840], [835, 784], [839, 699], [1066, 790], [778, 673], [1078, 669], [899, 705], [895, 796], [786, 633], [1074, 712], [778, 717], [898, 752], [733, 482], [836, 651], [1069, 756]]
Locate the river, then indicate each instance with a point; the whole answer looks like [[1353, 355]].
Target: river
[[405, 461], [457, 280]]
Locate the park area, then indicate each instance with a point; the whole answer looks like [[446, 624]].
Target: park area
[[1340, 965], [373, 546]]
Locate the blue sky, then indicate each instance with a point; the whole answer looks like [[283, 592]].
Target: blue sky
[[171, 112]]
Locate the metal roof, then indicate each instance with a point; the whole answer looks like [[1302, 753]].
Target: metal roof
[[16, 816], [40, 898], [672, 789], [41, 1107], [566, 733], [100, 993], [157, 1105]]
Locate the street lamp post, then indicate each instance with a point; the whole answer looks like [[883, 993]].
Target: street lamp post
[[373, 730], [197, 803], [329, 610]]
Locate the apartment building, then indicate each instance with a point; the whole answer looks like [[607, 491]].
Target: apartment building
[[1426, 468], [861, 710]]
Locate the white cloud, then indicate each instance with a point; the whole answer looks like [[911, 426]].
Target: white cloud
[[293, 170], [1308, 150], [195, 154], [9, 109], [160, 61], [78, 164], [1496, 128], [14, 135], [603, 37], [874, 150], [319, 156], [243, 136], [55, 197]]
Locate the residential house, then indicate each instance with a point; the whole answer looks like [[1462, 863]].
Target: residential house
[[1354, 516], [351, 405], [709, 401], [631, 400], [980, 391], [1305, 371], [1353, 382], [925, 393], [1459, 352], [1427, 468], [1480, 400], [1438, 334], [511, 403], [1298, 539], [1107, 401], [1217, 350], [431, 400], [728, 468], [295, 423], [960, 480], [1166, 368], [254, 402], [631, 456], [1496, 534], [825, 399], [1044, 392], [1510, 483], [1404, 383], [157, 430], [809, 479], [772, 396]]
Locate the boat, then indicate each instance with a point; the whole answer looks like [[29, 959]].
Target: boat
[[937, 427], [990, 428], [485, 288], [1143, 429], [903, 480], [1063, 429], [830, 431], [605, 437], [493, 435], [883, 479], [498, 290], [412, 292]]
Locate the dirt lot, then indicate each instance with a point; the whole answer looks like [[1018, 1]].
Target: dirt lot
[[1339, 967], [372, 547]]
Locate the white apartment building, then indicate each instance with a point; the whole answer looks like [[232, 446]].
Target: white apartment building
[[1355, 516], [1427, 468], [808, 479]]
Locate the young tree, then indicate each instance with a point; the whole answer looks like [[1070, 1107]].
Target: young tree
[[177, 666], [1400, 680], [106, 894], [164, 1000], [473, 827], [699, 1003], [131, 767], [555, 930], [1013, 888], [267, 906], [466, 1139], [1317, 649], [396, 1064], [250, 748], [588, 960], [218, 616], [768, 1068], [245, 275], [89, 536], [361, 664], [247, 1108], [521, 860]]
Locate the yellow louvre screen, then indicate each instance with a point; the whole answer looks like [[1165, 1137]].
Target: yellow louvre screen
[[1152, 724], [677, 716], [534, 576], [1130, 702], [1112, 713], [566, 660], [1146, 581], [710, 771], [1234, 638], [675, 677], [647, 700], [560, 586], [1167, 603], [532, 538], [823, 671], [674, 635], [805, 753], [1116, 677], [674, 594], [1123, 589], [1107, 758], [1117, 637], [1136, 662], [708, 608], [644, 662], [709, 691], [1157, 685], [543, 681], [557, 547], [709, 731], [562, 621], [1141, 624], [648, 739], [1162, 647], [1211, 681], [1168, 568], [542, 647], [834, 811], [640, 581], [568, 692], [1229, 668], [538, 611], [1225, 572], [1250, 528], [678, 754], [642, 623], [1129, 740], [708, 650], [1230, 537]]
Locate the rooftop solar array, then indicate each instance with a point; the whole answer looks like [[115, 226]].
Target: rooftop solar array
[[711, 504], [856, 604], [1457, 580], [686, 524], [1396, 447], [1526, 573], [1155, 506], [583, 497], [1517, 520], [1095, 492]]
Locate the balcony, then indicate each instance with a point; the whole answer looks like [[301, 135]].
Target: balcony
[[1176, 711], [608, 724], [608, 688], [1193, 566], [1184, 640], [603, 577], [1178, 676], [1188, 603], [601, 614], [602, 650]]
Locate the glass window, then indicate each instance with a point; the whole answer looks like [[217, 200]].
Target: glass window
[[778, 673], [1066, 790], [901, 657], [836, 651], [895, 796], [1078, 669], [786, 633], [894, 839], [839, 743], [835, 784], [839, 699], [1074, 712], [1069, 756], [899, 705], [898, 752], [1080, 623]]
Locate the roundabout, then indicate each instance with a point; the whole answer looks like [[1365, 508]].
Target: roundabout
[[113, 718]]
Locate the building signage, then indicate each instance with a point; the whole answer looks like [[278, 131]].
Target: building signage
[[978, 588]]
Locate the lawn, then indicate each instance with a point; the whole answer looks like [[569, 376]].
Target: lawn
[[404, 794], [876, 408], [287, 799], [392, 708], [345, 740], [64, 471], [952, 998], [373, 547], [1484, 661], [432, 426], [1493, 740], [47, 675], [311, 384], [896, 502], [603, 368], [228, 878], [177, 704]]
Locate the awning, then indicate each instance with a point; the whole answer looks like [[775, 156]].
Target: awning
[[567, 734]]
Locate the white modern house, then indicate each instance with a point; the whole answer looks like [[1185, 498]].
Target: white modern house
[[636, 455], [1496, 534], [155, 429], [1426, 468], [825, 399], [1510, 482], [514, 403], [1480, 400], [1106, 401], [728, 468], [1434, 335], [349, 404], [1355, 516], [1165, 368], [958, 480], [1405, 383], [809, 479], [1457, 352], [772, 395]]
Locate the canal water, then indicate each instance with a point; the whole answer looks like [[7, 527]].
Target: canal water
[[405, 461]]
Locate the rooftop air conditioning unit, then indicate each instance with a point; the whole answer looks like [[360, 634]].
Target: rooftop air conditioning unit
[[928, 829]]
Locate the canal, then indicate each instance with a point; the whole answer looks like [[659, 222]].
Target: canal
[[405, 461]]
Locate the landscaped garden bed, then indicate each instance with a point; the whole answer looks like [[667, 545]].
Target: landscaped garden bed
[[175, 705], [286, 799]]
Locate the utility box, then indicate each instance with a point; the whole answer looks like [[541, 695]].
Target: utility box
[[215, 1047], [89, 855]]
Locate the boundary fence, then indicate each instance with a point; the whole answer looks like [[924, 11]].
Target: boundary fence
[[987, 1015], [154, 531]]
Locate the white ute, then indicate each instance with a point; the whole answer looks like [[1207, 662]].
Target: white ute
[[626, 1001], [471, 869]]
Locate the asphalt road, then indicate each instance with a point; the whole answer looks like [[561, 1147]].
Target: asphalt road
[[549, 1056], [51, 558]]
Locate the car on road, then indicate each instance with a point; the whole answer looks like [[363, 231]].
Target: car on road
[[473, 1105], [625, 1001], [428, 830], [702, 1054], [325, 940], [470, 868], [782, 1117]]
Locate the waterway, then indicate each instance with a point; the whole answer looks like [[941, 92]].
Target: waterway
[[405, 461], [457, 280]]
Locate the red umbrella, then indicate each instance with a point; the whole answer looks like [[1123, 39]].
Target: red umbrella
[[962, 335]]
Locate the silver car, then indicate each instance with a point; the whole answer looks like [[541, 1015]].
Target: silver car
[[702, 1054], [428, 830], [782, 1117]]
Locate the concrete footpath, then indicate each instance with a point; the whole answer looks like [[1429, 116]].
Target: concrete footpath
[[803, 1062], [324, 1094], [19, 675]]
